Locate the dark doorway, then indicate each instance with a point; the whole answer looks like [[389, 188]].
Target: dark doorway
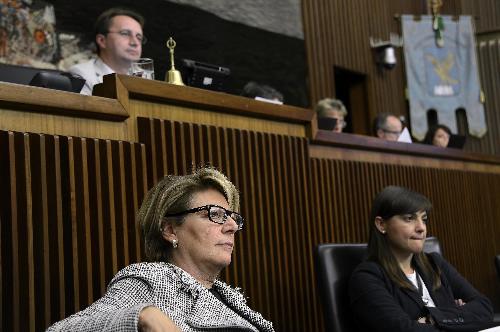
[[350, 87]]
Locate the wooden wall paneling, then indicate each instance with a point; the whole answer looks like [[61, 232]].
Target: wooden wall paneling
[[282, 226], [329, 189], [1, 281], [334, 194], [52, 235], [274, 244], [316, 234], [288, 229], [366, 195], [488, 52], [108, 206], [234, 173], [465, 215], [55, 209], [359, 191], [242, 242], [340, 185], [303, 250], [260, 199], [308, 224], [279, 226], [97, 219], [336, 34], [323, 212], [486, 13], [19, 231], [353, 199]]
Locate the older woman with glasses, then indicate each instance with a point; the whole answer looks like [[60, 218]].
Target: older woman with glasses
[[188, 224], [331, 115]]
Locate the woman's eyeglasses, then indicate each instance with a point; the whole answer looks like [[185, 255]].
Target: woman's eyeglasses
[[216, 214]]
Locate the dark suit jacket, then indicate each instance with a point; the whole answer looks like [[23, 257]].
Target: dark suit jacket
[[380, 305]]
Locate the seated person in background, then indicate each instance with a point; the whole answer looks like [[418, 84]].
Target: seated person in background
[[399, 287], [256, 90], [387, 126], [119, 40], [438, 135], [188, 225], [330, 108]]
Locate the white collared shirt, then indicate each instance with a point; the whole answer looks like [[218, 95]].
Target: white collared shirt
[[92, 71], [426, 297]]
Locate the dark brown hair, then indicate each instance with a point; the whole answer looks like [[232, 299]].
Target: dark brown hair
[[390, 202], [429, 137], [103, 22]]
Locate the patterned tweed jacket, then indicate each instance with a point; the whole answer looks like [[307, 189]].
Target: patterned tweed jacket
[[190, 305]]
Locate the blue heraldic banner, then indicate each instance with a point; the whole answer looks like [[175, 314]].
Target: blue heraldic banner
[[442, 78]]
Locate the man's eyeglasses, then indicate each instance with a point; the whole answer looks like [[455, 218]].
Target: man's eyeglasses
[[129, 34], [393, 132], [216, 214]]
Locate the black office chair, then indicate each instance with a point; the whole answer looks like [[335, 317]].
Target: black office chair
[[496, 317], [432, 245], [334, 264], [497, 265]]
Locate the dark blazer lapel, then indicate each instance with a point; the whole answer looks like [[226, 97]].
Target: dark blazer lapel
[[436, 297], [414, 295]]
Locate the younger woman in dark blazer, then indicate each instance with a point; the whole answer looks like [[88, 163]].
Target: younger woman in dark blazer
[[399, 287]]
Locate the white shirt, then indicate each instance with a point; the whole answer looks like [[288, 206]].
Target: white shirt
[[92, 71], [426, 297]]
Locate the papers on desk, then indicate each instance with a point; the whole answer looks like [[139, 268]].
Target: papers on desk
[[405, 136], [493, 329], [273, 101]]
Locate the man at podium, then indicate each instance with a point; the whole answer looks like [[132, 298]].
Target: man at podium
[[119, 39]]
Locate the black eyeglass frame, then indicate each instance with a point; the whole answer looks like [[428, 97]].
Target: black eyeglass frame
[[128, 33], [393, 132], [227, 213]]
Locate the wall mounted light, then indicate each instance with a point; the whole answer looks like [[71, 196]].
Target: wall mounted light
[[385, 54]]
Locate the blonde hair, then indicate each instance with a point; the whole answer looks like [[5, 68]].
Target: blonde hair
[[328, 104], [173, 194]]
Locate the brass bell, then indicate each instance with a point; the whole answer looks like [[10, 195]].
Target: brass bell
[[173, 76]]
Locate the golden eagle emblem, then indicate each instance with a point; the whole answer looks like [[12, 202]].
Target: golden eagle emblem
[[442, 68]]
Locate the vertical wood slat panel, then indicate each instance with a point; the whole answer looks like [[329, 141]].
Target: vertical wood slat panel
[[45, 233], [272, 168], [38, 228], [289, 211], [14, 253], [464, 218]]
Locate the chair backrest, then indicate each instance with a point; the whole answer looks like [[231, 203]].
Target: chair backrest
[[334, 264], [497, 265], [432, 245]]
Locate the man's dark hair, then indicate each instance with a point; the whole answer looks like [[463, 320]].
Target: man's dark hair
[[380, 122], [103, 22], [254, 89]]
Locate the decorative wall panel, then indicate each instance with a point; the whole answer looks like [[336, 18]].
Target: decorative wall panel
[[67, 212], [273, 255], [464, 216]]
